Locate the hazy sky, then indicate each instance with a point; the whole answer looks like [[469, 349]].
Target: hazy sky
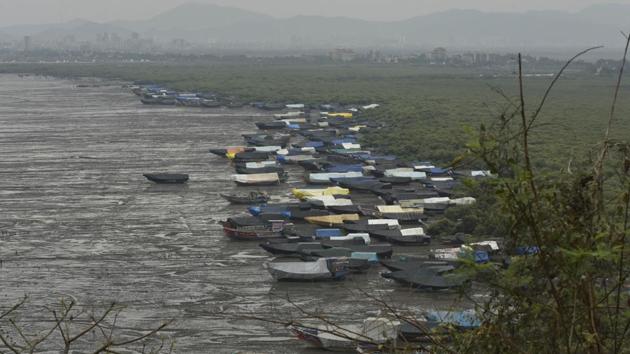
[[47, 11]]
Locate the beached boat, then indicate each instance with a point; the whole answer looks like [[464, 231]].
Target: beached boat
[[251, 198], [262, 179], [271, 125], [249, 156], [270, 230], [258, 170], [405, 173], [408, 237], [399, 213], [305, 193], [325, 178], [430, 278], [169, 178], [320, 269], [210, 103], [411, 263], [328, 201], [347, 337], [331, 220], [294, 159], [272, 106], [312, 248], [290, 248]]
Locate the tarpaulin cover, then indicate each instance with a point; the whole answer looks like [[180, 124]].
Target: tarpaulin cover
[[326, 233]]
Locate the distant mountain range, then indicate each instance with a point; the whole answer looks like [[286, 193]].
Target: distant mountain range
[[203, 23]]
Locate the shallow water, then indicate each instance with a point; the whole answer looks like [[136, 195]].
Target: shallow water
[[78, 219]]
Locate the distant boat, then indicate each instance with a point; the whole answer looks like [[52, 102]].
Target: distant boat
[[170, 178], [210, 103]]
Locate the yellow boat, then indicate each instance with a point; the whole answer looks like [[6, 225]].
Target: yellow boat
[[331, 220], [307, 193], [341, 115], [233, 150]]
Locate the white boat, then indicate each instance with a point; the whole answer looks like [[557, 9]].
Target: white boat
[[257, 179], [267, 148], [371, 106], [416, 231], [304, 150], [391, 223], [320, 269], [351, 237], [328, 201], [347, 337], [405, 173], [261, 164], [288, 115], [325, 177]]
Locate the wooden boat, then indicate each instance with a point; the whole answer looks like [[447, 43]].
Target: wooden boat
[[169, 178], [320, 269], [331, 220], [251, 198], [273, 230], [262, 179]]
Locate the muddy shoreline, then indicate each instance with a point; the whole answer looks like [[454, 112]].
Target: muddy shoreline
[[77, 218]]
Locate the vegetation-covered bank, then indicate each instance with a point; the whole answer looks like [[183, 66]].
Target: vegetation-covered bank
[[428, 110]]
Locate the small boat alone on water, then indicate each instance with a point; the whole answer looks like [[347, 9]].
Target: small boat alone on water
[[167, 178]]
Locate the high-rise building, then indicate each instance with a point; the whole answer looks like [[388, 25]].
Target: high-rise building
[[27, 43]]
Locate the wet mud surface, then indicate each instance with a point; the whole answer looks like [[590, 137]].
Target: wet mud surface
[[78, 219]]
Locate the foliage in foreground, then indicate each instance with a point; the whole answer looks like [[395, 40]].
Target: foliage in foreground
[[72, 328], [569, 297]]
